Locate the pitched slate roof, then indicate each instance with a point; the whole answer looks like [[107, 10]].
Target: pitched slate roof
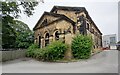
[[78, 10], [61, 17], [67, 8]]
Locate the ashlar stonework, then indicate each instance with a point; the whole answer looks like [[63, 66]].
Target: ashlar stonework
[[63, 23]]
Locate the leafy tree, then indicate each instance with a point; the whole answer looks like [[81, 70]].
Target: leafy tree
[[8, 33], [24, 36], [10, 11], [13, 8]]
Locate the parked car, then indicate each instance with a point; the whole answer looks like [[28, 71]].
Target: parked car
[[118, 46], [113, 47], [105, 48]]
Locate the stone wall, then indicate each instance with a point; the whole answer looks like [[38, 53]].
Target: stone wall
[[49, 19], [63, 25], [96, 35], [59, 26], [11, 55], [70, 14], [68, 40]]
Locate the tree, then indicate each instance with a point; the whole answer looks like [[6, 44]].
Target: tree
[[10, 11], [8, 33], [13, 8], [24, 36]]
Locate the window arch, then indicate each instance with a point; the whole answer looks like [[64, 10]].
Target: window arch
[[46, 39], [56, 35]]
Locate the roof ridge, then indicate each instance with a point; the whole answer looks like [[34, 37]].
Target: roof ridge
[[69, 6], [73, 8], [52, 13]]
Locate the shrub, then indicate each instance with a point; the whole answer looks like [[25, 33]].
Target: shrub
[[82, 46], [55, 51], [30, 51], [39, 53]]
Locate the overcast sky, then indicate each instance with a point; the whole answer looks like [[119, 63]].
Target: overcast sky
[[103, 12]]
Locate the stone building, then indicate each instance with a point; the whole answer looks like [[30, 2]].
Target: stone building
[[63, 23]]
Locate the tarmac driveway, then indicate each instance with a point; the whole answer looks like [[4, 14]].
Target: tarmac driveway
[[104, 62]]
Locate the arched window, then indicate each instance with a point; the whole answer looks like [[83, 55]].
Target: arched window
[[56, 35], [87, 26], [39, 41], [46, 39]]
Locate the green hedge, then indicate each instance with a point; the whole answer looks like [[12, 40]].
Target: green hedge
[[30, 51], [54, 51], [40, 53], [82, 46], [81, 49]]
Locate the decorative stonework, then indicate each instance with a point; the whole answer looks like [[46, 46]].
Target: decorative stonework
[[62, 21]]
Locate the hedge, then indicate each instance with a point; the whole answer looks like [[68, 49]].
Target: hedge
[[54, 51], [30, 51]]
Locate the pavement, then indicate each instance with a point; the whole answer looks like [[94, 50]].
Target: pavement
[[103, 62]]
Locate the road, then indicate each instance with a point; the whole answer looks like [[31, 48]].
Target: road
[[104, 62]]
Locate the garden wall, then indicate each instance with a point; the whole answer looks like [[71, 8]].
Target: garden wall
[[6, 55]]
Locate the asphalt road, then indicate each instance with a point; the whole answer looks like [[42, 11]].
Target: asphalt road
[[104, 62]]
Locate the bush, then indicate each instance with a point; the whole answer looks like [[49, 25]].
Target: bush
[[82, 46], [31, 50], [55, 51], [39, 53]]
